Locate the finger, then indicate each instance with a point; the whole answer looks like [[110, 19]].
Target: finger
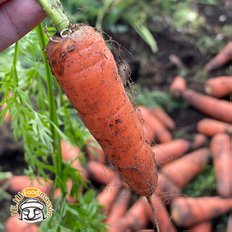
[[17, 19]]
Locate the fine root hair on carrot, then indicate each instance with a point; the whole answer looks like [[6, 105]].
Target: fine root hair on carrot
[[156, 224]]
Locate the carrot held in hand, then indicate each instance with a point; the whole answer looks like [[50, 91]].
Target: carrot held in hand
[[190, 165], [218, 109], [219, 86], [187, 211], [211, 127], [221, 151], [177, 87], [221, 59], [87, 72]]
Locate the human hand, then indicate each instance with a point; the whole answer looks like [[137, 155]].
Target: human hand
[[17, 18]]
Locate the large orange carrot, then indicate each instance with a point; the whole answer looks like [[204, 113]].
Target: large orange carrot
[[219, 86], [155, 125], [178, 86], [221, 151], [17, 183], [182, 170], [94, 151], [87, 72], [167, 152], [159, 113], [211, 127], [107, 196], [229, 224], [119, 207], [101, 173], [222, 58], [72, 154], [187, 211], [13, 224], [202, 227], [163, 218], [218, 109]]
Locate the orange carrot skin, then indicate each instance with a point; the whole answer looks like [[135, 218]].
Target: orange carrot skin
[[218, 109], [187, 211], [211, 127], [219, 86], [190, 165], [178, 86], [87, 72], [169, 151], [202, 227], [163, 218], [222, 58], [222, 155]]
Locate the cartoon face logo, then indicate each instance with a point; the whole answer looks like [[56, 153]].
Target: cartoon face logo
[[32, 210]]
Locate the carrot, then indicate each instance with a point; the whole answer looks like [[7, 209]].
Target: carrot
[[158, 130], [13, 224], [169, 151], [87, 72], [107, 196], [222, 156], [18, 183], [187, 211], [182, 170], [218, 109], [72, 154], [159, 113], [211, 127], [100, 173], [166, 188], [94, 151], [199, 140], [119, 207], [229, 224], [219, 86], [202, 227], [136, 217], [177, 87], [163, 219], [222, 58]]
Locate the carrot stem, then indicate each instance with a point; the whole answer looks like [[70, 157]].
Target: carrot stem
[[55, 12], [154, 214]]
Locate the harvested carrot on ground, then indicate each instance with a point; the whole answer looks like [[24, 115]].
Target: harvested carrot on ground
[[211, 127], [72, 154], [155, 125], [187, 211], [87, 72], [202, 227], [167, 121], [17, 183], [219, 86], [218, 109], [13, 224], [190, 165], [166, 188], [94, 151], [101, 173], [229, 224], [119, 207], [107, 196], [221, 59], [169, 151], [178, 86], [164, 221], [222, 156], [136, 217]]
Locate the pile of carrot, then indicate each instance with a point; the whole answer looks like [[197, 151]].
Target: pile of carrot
[[138, 163]]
